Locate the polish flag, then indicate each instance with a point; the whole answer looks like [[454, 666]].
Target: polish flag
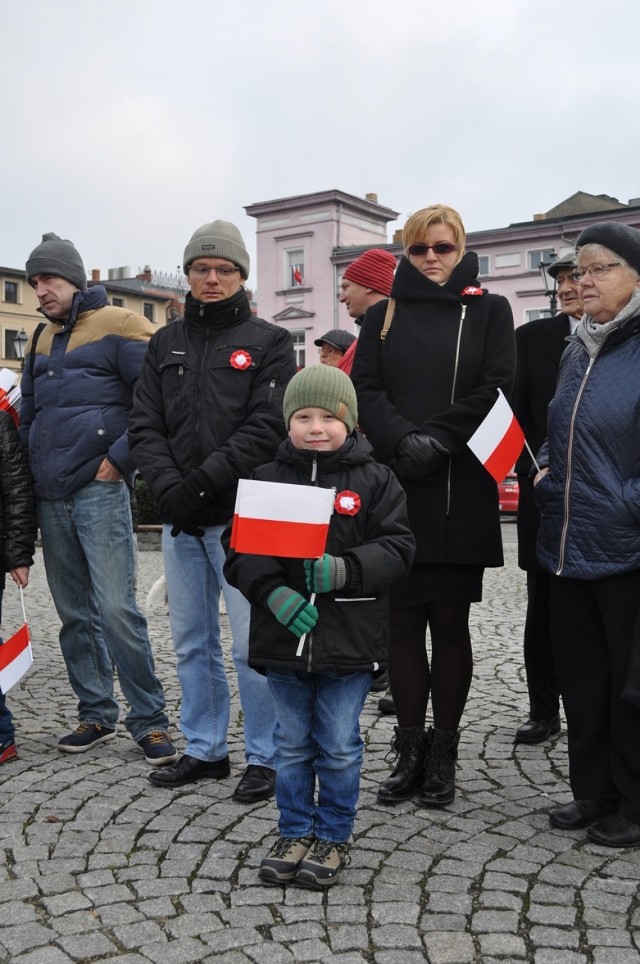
[[280, 519], [10, 395], [15, 658], [498, 441], [297, 276]]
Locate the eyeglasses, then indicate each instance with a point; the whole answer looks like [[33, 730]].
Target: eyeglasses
[[595, 270], [203, 271], [441, 247], [328, 350]]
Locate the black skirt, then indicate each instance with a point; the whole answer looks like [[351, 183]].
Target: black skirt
[[437, 581]]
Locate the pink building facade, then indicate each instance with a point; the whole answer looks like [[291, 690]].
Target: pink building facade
[[304, 244]]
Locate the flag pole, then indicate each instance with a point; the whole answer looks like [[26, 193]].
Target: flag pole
[[533, 458], [302, 638]]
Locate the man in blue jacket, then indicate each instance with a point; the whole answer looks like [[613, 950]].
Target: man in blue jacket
[[77, 388]]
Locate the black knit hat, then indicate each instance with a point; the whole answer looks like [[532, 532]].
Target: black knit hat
[[57, 257], [620, 238], [337, 338]]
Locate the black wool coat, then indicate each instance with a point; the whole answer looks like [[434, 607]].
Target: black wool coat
[[540, 345], [438, 372]]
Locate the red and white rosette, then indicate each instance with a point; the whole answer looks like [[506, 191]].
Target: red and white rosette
[[241, 360], [347, 503]]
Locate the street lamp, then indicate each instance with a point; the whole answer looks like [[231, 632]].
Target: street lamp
[[550, 283], [20, 340]]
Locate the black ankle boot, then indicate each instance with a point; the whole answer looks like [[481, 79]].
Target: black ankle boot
[[439, 781], [410, 744]]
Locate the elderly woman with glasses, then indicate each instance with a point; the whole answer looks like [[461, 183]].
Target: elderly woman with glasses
[[427, 371], [588, 492]]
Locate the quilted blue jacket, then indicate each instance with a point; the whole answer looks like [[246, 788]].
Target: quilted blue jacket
[[590, 498], [77, 393]]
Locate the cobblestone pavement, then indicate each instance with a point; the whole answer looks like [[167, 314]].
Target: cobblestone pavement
[[99, 865]]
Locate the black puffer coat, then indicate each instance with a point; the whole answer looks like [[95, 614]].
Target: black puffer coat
[[353, 627], [438, 371], [18, 525], [210, 396]]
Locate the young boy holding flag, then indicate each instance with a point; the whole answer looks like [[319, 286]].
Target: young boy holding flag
[[319, 656]]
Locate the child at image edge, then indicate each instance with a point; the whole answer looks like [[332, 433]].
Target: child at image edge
[[18, 531], [318, 696]]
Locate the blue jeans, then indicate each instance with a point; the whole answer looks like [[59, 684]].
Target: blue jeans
[[193, 569], [318, 737], [89, 558]]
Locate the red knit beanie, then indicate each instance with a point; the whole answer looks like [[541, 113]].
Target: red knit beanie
[[373, 269]]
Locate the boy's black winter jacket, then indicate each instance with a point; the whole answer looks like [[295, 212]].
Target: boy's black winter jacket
[[353, 626]]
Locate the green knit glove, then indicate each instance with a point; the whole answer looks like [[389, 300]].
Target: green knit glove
[[323, 575], [292, 610]]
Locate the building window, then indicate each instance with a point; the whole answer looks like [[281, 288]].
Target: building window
[[9, 347], [117, 302], [508, 260], [536, 256], [147, 310], [483, 262], [297, 337], [295, 268], [11, 292], [533, 314]]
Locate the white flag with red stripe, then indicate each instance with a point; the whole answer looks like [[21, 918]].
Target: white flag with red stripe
[[280, 519], [498, 440], [10, 395], [15, 658]]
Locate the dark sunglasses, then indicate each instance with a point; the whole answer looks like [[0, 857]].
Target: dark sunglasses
[[441, 247]]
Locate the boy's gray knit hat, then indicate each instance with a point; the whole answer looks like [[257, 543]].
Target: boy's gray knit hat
[[322, 386], [219, 239], [57, 257]]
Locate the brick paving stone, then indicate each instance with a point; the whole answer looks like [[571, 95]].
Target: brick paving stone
[[44, 955], [446, 948], [507, 946]]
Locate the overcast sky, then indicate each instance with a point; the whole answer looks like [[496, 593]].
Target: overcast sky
[[128, 123]]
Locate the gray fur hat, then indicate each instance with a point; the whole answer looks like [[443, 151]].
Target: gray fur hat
[[620, 238], [219, 239], [57, 257]]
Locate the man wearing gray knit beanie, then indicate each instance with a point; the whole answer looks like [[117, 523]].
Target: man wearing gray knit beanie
[[81, 367], [207, 411]]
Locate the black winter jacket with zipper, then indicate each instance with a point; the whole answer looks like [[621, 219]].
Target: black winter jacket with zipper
[[447, 352], [210, 396], [353, 626]]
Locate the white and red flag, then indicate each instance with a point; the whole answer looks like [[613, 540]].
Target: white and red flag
[[10, 395], [15, 658], [280, 519], [498, 440]]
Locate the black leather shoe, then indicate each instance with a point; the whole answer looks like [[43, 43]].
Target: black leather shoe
[[537, 731], [580, 813], [386, 705], [190, 770], [256, 783], [615, 831]]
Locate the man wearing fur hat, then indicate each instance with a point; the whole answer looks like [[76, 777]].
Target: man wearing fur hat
[[76, 397], [366, 281], [207, 411]]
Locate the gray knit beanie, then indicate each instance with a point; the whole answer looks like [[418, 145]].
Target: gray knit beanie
[[322, 386], [57, 257], [220, 239]]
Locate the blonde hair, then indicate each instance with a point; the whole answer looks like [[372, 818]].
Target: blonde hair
[[420, 221]]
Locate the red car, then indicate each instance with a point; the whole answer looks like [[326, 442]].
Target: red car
[[508, 492]]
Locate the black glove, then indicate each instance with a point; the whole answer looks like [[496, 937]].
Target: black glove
[[181, 503], [418, 456]]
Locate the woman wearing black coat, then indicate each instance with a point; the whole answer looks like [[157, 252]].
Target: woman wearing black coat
[[427, 370]]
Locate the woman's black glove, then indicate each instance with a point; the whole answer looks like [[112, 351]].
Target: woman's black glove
[[418, 456]]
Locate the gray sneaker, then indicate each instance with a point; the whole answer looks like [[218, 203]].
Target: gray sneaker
[[282, 861], [321, 866]]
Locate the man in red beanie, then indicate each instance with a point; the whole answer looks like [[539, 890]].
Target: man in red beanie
[[367, 280]]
